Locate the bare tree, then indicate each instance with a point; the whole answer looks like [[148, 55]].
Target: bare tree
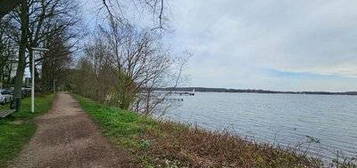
[[139, 61], [7, 52], [33, 24], [50, 18], [155, 7], [97, 70], [125, 66], [55, 64], [21, 63]]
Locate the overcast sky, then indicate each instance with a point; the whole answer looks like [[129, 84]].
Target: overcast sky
[[267, 44]]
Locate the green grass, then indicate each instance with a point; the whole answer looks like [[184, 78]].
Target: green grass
[[17, 129], [124, 127]]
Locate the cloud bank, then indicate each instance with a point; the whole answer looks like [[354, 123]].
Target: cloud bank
[[268, 44]]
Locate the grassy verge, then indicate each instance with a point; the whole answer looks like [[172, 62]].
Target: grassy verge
[[17, 129], [166, 144]]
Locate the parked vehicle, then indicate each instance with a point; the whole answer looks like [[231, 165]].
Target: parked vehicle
[[5, 96]]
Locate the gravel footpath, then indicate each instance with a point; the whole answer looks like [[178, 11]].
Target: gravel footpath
[[66, 137]]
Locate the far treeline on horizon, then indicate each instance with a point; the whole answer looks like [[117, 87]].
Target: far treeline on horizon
[[207, 89]]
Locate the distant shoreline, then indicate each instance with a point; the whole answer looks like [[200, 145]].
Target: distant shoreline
[[204, 89]]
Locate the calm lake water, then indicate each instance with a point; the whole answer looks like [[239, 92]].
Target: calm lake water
[[283, 119]]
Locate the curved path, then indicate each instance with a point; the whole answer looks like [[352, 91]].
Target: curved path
[[66, 137]]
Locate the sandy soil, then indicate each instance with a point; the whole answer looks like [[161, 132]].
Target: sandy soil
[[66, 137]]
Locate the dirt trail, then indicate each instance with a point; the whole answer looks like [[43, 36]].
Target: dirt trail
[[66, 137]]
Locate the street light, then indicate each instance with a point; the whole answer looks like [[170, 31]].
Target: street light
[[33, 76]]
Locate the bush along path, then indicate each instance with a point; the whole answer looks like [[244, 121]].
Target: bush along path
[[66, 137], [16, 130]]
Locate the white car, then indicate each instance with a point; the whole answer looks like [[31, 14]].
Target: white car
[[5, 96]]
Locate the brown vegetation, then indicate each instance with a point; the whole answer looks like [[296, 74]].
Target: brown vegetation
[[195, 147]]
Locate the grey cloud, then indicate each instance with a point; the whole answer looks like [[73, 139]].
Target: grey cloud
[[236, 36]]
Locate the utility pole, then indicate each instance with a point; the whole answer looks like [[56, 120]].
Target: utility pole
[[33, 77]]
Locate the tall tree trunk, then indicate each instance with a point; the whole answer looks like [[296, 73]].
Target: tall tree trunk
[[22, 51]]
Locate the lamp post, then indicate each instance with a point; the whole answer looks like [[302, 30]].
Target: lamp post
[[33, 76]]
